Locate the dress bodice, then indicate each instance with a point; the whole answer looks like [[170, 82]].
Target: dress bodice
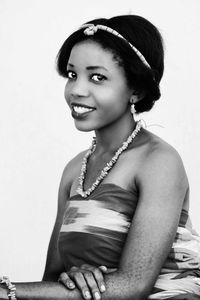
[[94, 229]]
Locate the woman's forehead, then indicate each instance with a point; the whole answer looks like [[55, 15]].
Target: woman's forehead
[[91, 53]]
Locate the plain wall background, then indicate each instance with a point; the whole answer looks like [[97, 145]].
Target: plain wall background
[[37, 135]]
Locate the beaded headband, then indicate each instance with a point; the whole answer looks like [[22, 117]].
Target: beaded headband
[[90, 29]]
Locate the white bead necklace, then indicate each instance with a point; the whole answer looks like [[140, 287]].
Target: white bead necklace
[[107, 168]]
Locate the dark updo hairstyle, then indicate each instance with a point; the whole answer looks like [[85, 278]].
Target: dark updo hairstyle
[[143, 35]]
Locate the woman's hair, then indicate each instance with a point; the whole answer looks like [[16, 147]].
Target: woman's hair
[[143, 35]]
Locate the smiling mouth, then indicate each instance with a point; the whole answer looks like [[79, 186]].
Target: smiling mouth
[[80, 110]]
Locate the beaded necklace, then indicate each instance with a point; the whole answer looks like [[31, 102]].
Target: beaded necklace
[[107, 168]]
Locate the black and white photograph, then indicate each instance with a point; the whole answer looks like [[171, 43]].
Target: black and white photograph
[[99, 150]]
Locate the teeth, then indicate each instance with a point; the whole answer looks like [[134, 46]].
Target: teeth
[[81, 109]]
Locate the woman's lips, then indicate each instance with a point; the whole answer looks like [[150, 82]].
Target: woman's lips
[[80, 112], [81, 109]]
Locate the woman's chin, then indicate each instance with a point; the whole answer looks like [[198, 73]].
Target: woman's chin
[[83, 127]]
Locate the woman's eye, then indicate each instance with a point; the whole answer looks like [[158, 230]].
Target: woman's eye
[[98, 77], [71, 75]]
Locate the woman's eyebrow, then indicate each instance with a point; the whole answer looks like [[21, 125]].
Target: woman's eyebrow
[[96, 67], [70, 65], [89, 67]]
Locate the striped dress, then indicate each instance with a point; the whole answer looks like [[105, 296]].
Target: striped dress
[[94, 231]]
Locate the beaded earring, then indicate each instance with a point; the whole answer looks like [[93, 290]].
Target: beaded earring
[[133, 110]]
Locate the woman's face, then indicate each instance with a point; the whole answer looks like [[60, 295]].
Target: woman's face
[[96, 90]]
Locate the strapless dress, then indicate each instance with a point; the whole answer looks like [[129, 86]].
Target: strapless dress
[[95, 228]]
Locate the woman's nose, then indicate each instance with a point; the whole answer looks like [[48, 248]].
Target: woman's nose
[[79, 88]]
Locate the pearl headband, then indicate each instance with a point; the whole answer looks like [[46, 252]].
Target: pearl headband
[[90, 29]]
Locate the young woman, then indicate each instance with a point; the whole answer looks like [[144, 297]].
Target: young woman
[[122, 229]]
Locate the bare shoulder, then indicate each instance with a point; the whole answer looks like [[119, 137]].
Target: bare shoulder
[[161, 160], [156, 150], [69, 173], [71, 169]]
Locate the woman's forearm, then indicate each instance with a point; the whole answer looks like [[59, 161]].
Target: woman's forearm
[[122, 286], [118, 287], [42, 291]]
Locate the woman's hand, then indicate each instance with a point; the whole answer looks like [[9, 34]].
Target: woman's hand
[[88, 279]]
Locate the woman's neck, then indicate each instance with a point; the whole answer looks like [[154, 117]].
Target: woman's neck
[[110, 138]]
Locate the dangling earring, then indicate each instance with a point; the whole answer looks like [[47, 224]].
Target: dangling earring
[[133, 110]]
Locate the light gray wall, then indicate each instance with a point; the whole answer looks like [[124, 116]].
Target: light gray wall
[[37, 136]]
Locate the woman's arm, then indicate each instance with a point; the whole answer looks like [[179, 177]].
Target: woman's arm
[[162, 184], [54, 265], [42, 291]]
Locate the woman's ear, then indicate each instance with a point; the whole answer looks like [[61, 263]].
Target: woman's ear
[[136, 97]]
